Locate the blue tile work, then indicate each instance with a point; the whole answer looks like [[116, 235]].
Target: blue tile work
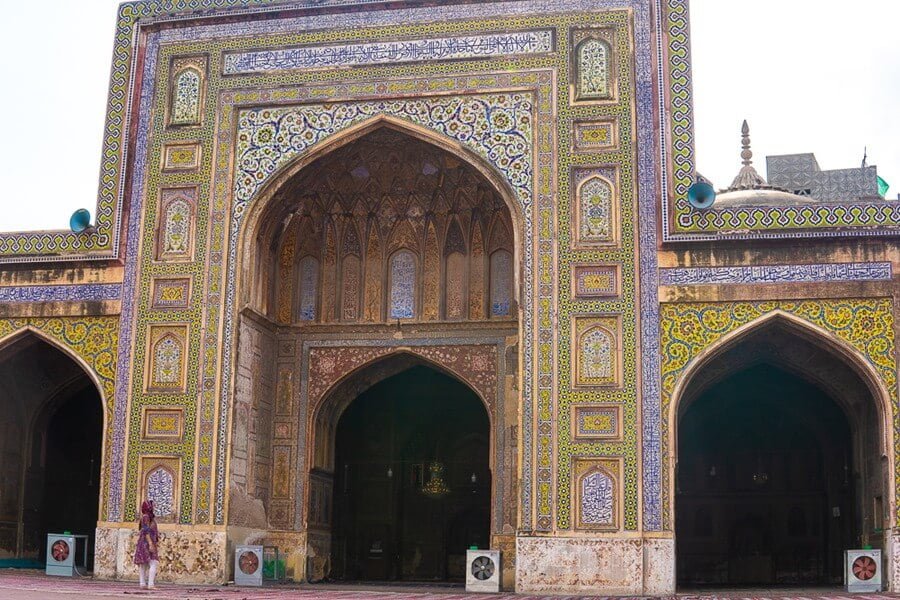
[[390, 52], [646, 168], [61, 293], [878, 271]]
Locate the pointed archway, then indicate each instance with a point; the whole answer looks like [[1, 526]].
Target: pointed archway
[[383, 239], [402, 481], [782, 459], [52, 422]]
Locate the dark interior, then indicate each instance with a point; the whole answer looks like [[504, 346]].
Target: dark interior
[[765, 490], [52, 431], [386, 527]]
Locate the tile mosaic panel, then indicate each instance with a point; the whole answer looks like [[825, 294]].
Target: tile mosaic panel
[[597, 348], [167, 360], [403, 285], [597, 209], [162, 423], [510, 43], [309, 287], [864, 325], [171, 292], [181, 156], [598, 422], [501, 283], [160, 477], [177, 207], [593, 65], [597, 493], [596, 136], [187, 90], [595, 281]]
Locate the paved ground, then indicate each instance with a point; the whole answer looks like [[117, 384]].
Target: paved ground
[[31, 585]]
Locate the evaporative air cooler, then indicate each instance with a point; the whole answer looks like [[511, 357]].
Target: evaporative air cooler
[[60, 554], [248, 565], [483, 571], [862, 570]]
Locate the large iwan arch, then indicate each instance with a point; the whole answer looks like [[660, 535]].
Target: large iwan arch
[[782, 457]]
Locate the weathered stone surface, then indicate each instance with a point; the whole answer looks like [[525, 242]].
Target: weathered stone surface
[[186, 555], [659, 567], [579, 565]]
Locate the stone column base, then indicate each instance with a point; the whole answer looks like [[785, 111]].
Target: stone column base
[[595, 566], [186, 554]]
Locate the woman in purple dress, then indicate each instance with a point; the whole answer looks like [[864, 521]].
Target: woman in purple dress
[[146, 552]]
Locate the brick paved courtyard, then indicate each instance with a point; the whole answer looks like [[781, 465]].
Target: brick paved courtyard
[[34, 585]]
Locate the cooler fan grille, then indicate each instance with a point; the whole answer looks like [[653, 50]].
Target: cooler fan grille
[[864, 568], [59, 550], [248, 563], [482, 568]]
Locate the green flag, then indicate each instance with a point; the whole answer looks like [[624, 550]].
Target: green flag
[[882, 186]]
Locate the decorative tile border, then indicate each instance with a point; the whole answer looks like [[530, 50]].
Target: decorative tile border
[[877, 271], [390, 52], [61, 293]]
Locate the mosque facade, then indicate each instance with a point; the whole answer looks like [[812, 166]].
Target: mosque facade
[[376, 282]]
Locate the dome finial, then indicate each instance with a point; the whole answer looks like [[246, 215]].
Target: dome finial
[[747, 178], [746, 153]]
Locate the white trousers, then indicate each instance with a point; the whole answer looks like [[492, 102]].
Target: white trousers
[[147, 573]]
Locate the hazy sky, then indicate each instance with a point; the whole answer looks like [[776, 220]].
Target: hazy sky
[[817, 76]]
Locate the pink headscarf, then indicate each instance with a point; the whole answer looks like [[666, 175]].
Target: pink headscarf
[[147, 509]]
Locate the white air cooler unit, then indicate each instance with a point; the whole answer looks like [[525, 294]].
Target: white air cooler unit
[[248, 565], [862, 570], [60, 555], [483, 571]]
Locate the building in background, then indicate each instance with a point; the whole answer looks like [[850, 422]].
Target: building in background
[[800, 174]]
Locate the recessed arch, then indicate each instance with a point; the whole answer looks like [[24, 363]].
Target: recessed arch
[[14, 336], [254, 224], [332, 454], [807, 405], [806, 330], [335, 186], [54, 418], [412, 356]]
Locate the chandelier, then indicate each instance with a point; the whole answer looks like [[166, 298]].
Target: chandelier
[[435, 488]]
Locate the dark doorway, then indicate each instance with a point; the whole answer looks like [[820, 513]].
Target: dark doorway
[[412, 483], [52, 426], [765, 484]]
